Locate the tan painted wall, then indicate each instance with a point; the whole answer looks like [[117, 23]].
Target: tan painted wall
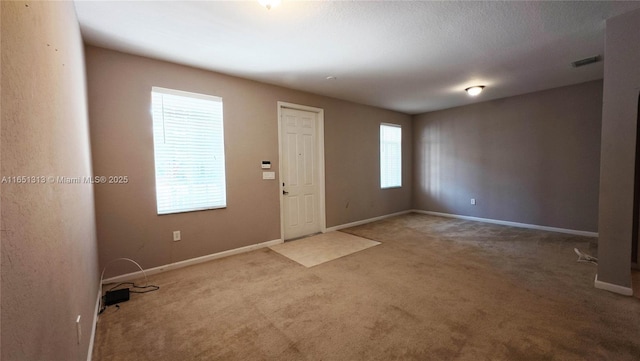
[[619, 118], [532, 158], [49, 247], [119, 101]]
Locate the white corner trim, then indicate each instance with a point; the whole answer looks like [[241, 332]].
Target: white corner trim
[[625, 291], [190, 262], [512, 224], [95, 324], [365, 221]]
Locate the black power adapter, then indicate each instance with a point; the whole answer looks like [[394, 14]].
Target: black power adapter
[[117, 296]]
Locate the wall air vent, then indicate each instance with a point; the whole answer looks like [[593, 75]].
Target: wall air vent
[[586, 61]]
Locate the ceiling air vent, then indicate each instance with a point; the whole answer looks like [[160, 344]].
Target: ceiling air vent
[[586, 61]]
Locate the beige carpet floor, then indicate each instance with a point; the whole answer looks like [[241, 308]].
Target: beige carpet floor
[[321, 248], [434, 289]]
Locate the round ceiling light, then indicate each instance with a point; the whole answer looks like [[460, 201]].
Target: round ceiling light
[[269, 4], [474, 90]]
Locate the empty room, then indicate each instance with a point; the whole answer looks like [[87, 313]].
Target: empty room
[[320, 180]]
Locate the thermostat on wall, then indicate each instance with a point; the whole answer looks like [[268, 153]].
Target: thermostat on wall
[[266, 164]]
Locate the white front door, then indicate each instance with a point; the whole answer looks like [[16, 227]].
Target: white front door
[[300, 173]]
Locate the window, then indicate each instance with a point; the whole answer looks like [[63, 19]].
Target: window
[[188, 143], [390, 156]]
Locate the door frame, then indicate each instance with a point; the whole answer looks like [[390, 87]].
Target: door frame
[[635, 225], [319, 166]]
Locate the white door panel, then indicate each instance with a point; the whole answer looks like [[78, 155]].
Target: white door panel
[[300, 173]]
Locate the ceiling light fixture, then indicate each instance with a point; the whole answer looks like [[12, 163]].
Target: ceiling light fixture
[[269, 4], [474, 90]]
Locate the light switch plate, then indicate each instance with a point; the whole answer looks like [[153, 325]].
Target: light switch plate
[[268, 175]]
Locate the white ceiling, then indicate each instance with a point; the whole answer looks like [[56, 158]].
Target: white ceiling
[[409, 56]]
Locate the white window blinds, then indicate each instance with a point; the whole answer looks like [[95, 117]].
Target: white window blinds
[[390, 156], [189, 151]]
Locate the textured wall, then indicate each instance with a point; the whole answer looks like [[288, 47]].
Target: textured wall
[[619, 118], [49, 247], [531, 158], [119, 88]]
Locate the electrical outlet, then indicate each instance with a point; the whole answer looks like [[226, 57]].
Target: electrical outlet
[[78, 329], [473, 201], [176, 236]]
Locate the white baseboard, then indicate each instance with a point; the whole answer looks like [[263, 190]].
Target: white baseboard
[[512, 224], [190, 262], [625, 291], [365, 221], [94, 325]]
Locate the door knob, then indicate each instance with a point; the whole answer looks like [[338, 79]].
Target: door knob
[[284, 192]]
